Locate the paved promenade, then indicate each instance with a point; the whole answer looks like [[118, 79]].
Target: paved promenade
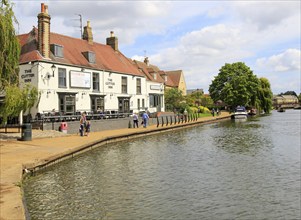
[[44, 146]]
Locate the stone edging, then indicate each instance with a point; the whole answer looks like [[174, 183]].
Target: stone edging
[[33, 168]]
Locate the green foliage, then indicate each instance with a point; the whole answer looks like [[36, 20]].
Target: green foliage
[[289, 93], [17, 100], [265, 95], [9, 47], [235, 85], [174, 100]]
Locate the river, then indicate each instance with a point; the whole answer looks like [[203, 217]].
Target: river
[[226, 170]]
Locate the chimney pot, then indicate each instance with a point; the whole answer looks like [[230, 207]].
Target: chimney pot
[[112, 33], [42, 8]]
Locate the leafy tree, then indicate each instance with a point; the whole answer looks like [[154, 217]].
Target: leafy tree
[[265, 95], [299, 97], [174, 100], [289, 93], [235, 85], [9, 47], [16, 99]]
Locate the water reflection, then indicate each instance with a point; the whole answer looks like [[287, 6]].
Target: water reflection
[[224, 170], [242, 137]]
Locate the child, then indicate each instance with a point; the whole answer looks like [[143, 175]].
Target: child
[[88, 127]]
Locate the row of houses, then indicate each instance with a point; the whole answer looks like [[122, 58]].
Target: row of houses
[[285, 101], [74, 75]]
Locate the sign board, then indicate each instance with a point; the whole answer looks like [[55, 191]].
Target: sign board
[[155, 87], [80, 79], [27, 76]]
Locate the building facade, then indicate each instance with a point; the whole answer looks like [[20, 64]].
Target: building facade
[[74, 75]]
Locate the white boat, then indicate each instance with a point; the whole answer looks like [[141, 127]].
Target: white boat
[[240, 113]]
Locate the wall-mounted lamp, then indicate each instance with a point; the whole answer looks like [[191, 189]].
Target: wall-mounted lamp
[[84, 93], [83, 69], [48, 92], [53, 67]]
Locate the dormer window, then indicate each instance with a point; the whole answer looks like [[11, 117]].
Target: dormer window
[[90, 56], [57, 50]]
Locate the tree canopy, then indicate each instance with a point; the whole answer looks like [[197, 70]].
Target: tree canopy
[[235, 85], [174, 100], [16, 99], [9, 47]]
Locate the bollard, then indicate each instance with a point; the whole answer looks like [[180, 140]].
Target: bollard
[[158, 122], [162, 121], [26, 132], [166, 120], [170, 120], [130, 124]]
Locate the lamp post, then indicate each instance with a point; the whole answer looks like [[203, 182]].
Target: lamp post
[[53, 67]]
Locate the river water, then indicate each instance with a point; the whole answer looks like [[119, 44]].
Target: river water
[[226, 170]]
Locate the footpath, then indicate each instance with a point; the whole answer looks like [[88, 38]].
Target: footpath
[[45, 145]]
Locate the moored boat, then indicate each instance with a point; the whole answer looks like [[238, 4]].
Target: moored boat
[[280, 109], [240, 113], [253, 111]]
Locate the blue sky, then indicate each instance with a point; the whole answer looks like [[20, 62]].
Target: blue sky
[[198, 37]]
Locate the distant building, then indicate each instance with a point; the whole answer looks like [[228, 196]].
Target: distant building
[[157, 79], [286, 101]]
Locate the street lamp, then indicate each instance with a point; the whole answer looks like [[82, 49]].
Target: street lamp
[[53, 67]]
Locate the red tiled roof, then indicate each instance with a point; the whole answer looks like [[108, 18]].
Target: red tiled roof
[[174, 76], [105, 57], [148, 70]]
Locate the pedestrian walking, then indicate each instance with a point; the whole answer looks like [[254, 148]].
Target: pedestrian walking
[[82, 124], [145, 118], [212, 112], [88, 128], [135, 119]]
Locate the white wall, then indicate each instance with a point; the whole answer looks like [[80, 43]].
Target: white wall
[[109, 83]]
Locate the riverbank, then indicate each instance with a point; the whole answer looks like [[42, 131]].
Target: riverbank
[[16, 155]]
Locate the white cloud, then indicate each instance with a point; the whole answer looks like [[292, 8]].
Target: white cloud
[[289, 60]]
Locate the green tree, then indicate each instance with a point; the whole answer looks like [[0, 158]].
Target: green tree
[[265, 95], [235, 85], [289, 93], [9, 47], [174, 100], [16, 99]]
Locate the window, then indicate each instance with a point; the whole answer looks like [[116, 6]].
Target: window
[[138, 85], [67, 103], [143, 105], [96, 82], [124, 85], [62, 78], [90, 56], [138, 104], [154, 100], [97, 103], [57, 50]]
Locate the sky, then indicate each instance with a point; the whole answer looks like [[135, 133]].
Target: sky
[[198, 37]]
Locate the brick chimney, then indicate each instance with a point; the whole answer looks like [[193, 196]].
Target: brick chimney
[[146, 61], [113, 41], [87, 35], [44, 31]]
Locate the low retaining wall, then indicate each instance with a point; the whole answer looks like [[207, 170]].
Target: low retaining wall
[[96, 125], [30, 169]]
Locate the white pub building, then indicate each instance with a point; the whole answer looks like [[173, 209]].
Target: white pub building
[[75, 75]]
